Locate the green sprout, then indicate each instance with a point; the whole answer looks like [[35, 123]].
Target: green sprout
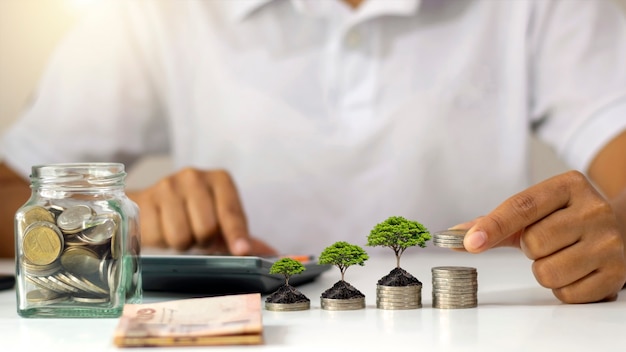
[[343, 254], [398, 234], [287, 267]]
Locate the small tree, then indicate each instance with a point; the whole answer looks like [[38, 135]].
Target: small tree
[[398, 234], [287, 267], [343, 255]]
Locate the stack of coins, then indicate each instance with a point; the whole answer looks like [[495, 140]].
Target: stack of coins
[[454, 287], [70, 254], [287, 307], [399, 297], [449, 238], [343, 304]]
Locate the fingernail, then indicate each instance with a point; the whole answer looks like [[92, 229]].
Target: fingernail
[[241, 247], [475, 240]]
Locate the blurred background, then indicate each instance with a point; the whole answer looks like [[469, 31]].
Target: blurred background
[[29, 31]]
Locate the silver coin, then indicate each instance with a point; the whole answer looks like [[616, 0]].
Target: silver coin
[[100, 229], [455, 295], [44, 296], [388, 306], [34, 280], [80, 260], [398, 294], [74, 240], [399, 298], [403, 302], [454, 272], [453, 306], [45, 283], [90, 299], [447, 269], [400, 289], [83, 284], [456, 286], [67, 288], [454, 278], [113, 275], [72, 219], [402, 297], [457, 281], [459, 300]]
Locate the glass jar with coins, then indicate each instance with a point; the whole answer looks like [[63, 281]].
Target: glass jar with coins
[[77, 243]]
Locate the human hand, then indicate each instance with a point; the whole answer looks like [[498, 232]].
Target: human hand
[[195, 208], [570, 232]]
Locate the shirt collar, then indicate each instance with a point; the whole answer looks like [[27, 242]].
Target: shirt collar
[[238, 10]]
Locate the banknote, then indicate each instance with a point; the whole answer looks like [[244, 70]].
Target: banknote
[[206, 321]]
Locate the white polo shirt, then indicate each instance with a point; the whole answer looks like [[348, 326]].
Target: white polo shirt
[[331, 120]]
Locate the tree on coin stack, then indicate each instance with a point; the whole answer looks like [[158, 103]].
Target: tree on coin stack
[[343, 296], [287, 297], [398, 289]]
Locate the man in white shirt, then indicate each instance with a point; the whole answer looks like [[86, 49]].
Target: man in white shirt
[[323, 118]]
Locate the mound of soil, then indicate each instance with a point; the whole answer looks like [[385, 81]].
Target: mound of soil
[[287, 294], [399, 277], [342, 290]]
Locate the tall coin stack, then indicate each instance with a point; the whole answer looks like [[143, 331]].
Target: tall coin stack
[[399, 297], [454, 287]]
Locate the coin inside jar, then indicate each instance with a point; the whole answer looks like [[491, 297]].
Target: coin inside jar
[[72, 219], [37, 213], [80, 260], [101, 229], [42, 243]]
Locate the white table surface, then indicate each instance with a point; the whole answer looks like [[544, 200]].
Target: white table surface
[[514, 313]]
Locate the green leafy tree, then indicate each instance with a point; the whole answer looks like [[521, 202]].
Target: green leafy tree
[[287, 267], [398, 234], [343, 255]]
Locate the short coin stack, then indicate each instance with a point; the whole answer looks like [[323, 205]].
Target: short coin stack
[[399, 297], [287, 307], [449, 238], [343, 304], [454, 287]]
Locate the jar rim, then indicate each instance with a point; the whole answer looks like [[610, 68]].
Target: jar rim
[[93, 173]]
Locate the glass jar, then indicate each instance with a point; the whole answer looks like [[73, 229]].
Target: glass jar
[[77, 243]]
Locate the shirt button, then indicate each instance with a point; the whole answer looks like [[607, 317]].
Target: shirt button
[[353, 39]]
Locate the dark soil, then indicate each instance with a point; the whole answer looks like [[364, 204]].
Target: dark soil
[[342, 290], [398, 277], [287, 294]]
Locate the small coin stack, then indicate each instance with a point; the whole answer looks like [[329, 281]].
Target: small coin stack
[[399, 297], [343, 304], [287, 307], [454, 287], [449, 238], [70, 254]]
